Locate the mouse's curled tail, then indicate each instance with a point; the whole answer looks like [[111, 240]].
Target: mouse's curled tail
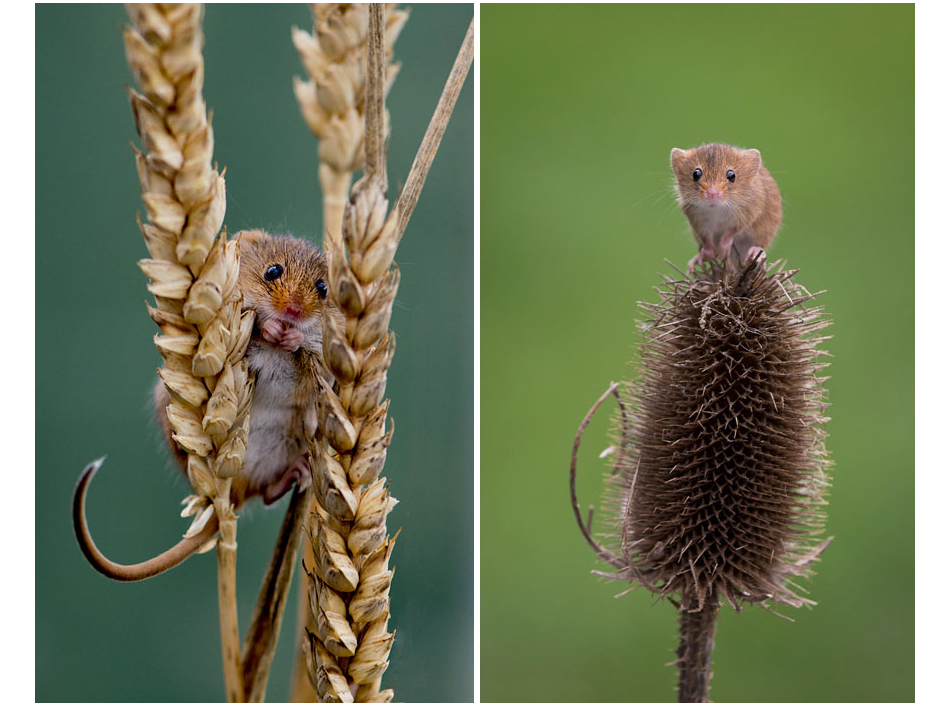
[[130, 572]]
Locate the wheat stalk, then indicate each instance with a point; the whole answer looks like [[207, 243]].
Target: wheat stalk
[[193, 276]]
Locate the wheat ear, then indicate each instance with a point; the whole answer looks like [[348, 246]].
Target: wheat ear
[[349, 581], [193, 276], [332, 100], [333, 105]]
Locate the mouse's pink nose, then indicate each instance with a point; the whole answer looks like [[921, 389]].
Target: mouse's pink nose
[[293, 311], [713, 194]]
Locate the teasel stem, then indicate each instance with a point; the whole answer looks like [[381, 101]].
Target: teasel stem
[[697, 640], [193, 274]]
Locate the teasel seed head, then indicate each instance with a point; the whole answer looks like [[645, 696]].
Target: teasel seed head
[[721, 473]]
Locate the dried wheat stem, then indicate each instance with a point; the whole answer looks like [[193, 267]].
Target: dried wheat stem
[[434, 132], [193, 275], [226, 589], [259, 645], [374, 154], [332, 100]]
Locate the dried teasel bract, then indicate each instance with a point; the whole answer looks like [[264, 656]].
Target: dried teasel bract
[[720, 464]]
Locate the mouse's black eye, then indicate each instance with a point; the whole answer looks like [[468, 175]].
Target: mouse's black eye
[[696, 175], [322, 288], [273, 273], [730, 175]]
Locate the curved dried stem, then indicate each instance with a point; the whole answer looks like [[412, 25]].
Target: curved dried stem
[[585, 528]]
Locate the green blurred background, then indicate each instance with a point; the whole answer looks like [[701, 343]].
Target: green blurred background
[[580, 107], [97, 640]]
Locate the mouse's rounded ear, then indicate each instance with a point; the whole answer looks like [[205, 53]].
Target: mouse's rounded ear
[[677, 157], [753, 160], [249, 237]]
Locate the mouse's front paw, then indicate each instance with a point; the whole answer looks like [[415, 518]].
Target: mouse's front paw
[[291, 340], [271, 330], [756, 252], [706, 254]]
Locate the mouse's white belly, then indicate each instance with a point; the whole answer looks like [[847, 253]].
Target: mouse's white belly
[[276, 425]]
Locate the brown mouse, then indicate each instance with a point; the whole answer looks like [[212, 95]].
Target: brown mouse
[[284, 280], [730, 199]]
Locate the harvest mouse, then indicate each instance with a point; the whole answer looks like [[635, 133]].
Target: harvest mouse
[[731, 201], [284, 280]]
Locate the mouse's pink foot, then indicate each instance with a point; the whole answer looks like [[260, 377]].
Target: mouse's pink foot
[[706, 254], [271, 330], [724, 245], [292, 340], [299, 472], [759, 253]]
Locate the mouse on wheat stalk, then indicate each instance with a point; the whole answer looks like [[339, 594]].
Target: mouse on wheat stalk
[[284, 281], [732, 203]]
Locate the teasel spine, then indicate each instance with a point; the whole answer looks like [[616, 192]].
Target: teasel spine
[[193, 277]]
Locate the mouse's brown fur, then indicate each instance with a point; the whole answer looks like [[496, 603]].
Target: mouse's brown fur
[[284, 354], [738, 215]]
